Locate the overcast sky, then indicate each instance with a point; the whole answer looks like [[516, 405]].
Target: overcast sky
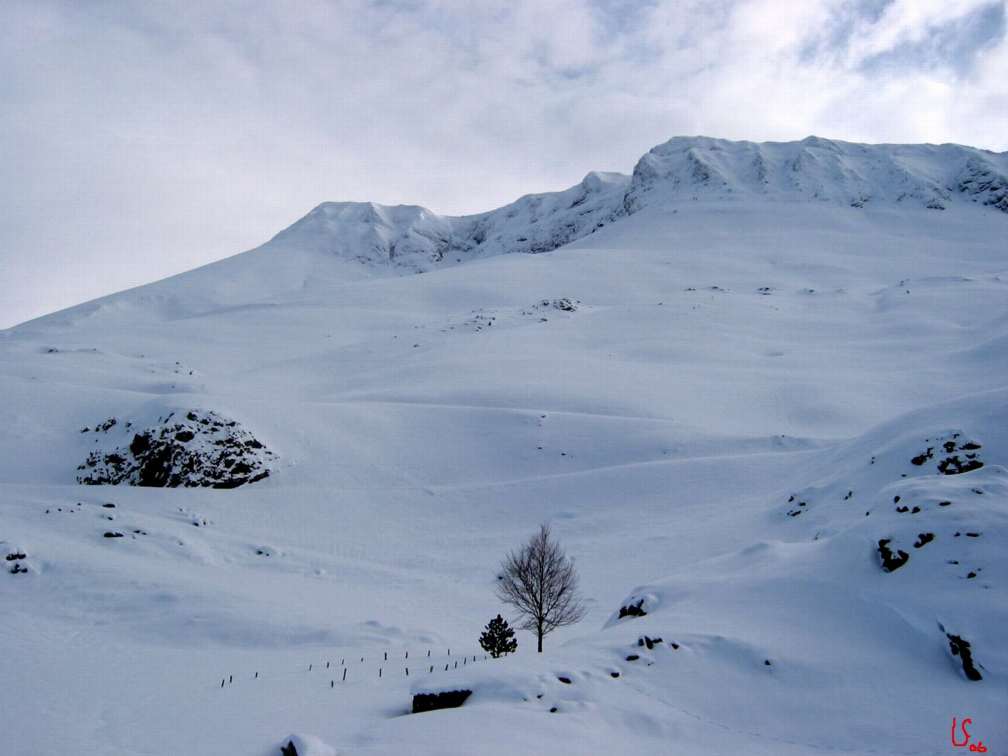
[[141, 139]]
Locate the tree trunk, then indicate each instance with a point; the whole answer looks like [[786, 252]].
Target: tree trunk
[[540, 636]]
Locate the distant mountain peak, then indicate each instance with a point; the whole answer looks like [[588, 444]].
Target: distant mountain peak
[[818, 169], [412, 238]]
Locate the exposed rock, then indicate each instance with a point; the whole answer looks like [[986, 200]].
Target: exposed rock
[[890, 561], [632, 610], [923, 539], [961, 648], [954, 466], [201, 449]]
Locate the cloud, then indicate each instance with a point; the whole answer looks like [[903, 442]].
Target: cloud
[[141, 139]]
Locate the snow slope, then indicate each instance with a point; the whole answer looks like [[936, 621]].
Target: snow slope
[[712, 387]]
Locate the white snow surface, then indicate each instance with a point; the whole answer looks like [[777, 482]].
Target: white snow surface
[[713, 381]]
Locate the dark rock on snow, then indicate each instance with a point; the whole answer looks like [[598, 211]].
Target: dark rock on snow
[[201, 449], [961, 648], [890, 561], [632, 610]]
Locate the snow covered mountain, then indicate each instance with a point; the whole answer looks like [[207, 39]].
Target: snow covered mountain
[[759, 391], [685, 168]]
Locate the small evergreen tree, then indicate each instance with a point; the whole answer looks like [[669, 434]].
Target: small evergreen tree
[[498, 638]]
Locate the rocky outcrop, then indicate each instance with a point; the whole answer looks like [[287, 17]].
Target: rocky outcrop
[[961, 648], [891, 561], [632, 610], [196, 449]]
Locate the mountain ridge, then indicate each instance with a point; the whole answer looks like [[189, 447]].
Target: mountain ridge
[[415, 239], [338, 242]]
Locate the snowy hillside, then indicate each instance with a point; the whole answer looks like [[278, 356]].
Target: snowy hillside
[[760, 392]]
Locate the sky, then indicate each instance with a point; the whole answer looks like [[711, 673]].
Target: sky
[[138, 140]]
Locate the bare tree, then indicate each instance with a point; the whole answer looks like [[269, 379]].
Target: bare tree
[[540, 581]]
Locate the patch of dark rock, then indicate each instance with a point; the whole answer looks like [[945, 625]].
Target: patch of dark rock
[[798, 510], [915, 510], [288, 750], [614, 674], [944, 503], [970, 575], [564, 680], [448, 699], [961, 648], [972, 535], [18, 569], [108, 505], [955, 466], [766, 662], [923, 539], [202, 450], [632, 610], [632, 657], [896, 499], [903, 509], [675, 646], [891, 561], [113, 534], [970, 446], [649, 642], [141, 443], [553, 710], [15, 555], [920, 459]]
